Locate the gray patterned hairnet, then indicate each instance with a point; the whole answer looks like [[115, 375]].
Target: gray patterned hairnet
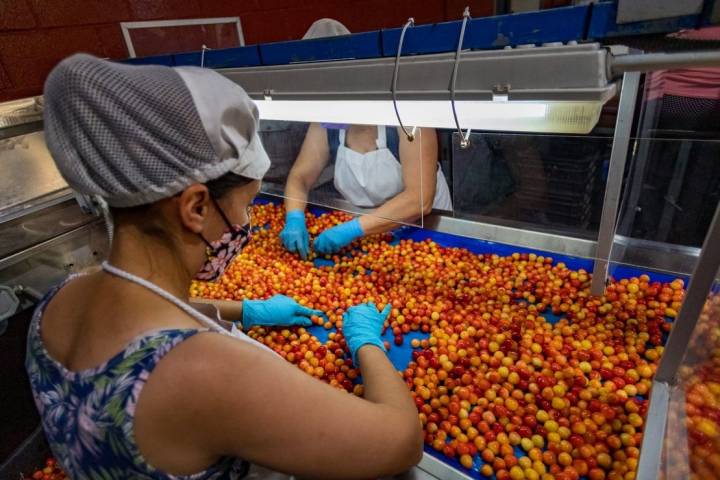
[[325, 27], [137, 134]]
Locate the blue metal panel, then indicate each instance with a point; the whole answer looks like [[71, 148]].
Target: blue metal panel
[[191, 59], [603, 24], [555, 25], [359, 45], [434, 38], [166, 60], [579, 23], [233, 57], [223, 58]]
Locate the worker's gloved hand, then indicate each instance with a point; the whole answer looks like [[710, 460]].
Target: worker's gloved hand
[[275, 311], [362, 325], [339, 236], [295, 235]]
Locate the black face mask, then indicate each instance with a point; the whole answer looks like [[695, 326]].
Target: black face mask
[[222, 252]]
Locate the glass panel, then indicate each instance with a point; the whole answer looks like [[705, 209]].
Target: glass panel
[[671, 191], [675, 177], [539, 182], [673, 188], [159, 40], [360, 169], [692, 441]]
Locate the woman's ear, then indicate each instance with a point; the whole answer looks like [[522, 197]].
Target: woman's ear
[[193, 207]]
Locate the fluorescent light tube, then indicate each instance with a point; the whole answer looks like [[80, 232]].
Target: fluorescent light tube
[[518, 116]]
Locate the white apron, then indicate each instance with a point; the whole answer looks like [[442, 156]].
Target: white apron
[[370, 179]]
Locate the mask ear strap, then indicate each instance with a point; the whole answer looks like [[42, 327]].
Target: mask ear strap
[[205, 240], [222, 214]]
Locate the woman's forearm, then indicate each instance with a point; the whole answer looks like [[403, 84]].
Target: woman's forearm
[[382, 382], [403, 208], [296, 194], [229, 310]]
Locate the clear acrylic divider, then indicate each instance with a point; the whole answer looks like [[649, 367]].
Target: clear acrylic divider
[[692, 439], [671, 189], [547, 192], [367, 170], [539, 186]]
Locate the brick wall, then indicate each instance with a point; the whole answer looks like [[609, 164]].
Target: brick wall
[[36, 34]]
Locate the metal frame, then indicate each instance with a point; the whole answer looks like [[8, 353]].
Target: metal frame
[[127, 26], [648, 116], [647, 62], [674, 189], [38, 204], [78, 232], [654, 434], [666, 376], [22, 129], [439, 469], [613, 187]]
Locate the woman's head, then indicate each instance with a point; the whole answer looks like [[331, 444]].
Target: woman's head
[[166, 148]]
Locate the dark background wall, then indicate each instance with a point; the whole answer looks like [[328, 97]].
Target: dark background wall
[[36, 34]]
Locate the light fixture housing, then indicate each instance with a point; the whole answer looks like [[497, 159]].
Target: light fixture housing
[[553, 89]]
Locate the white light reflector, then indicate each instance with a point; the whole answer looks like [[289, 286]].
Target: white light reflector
[[540, 117]]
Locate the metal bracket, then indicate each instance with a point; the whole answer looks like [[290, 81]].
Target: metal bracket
[[202, 55], [501, 90], [613, 187], [410, 135], [464, 138]]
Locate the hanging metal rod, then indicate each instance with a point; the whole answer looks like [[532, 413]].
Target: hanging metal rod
[[646, 62]]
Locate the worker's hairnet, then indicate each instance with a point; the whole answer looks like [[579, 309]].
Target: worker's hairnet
[[137, 134], [325, 27]]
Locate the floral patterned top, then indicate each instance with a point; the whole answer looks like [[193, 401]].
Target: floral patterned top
[[88, 415]]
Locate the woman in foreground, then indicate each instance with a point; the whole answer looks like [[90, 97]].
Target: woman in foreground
[[129, 379]]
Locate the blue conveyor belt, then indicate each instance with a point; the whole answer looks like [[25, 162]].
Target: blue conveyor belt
[[401, 355]]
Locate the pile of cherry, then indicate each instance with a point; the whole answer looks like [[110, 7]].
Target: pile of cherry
[[498, 386], [51, 471]]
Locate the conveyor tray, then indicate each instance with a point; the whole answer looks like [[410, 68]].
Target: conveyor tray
[[401, 355]]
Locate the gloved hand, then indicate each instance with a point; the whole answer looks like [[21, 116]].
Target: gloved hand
[[275, 311], [339, 236], [295, 235], [362, 325]]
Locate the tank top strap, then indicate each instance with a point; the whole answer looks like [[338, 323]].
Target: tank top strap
[[197, 315], [333, 136], [381, 140], [393, 141]]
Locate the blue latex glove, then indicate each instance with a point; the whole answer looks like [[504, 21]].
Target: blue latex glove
[[295, 235], [362, 325], [339, 236], [278, 310]]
